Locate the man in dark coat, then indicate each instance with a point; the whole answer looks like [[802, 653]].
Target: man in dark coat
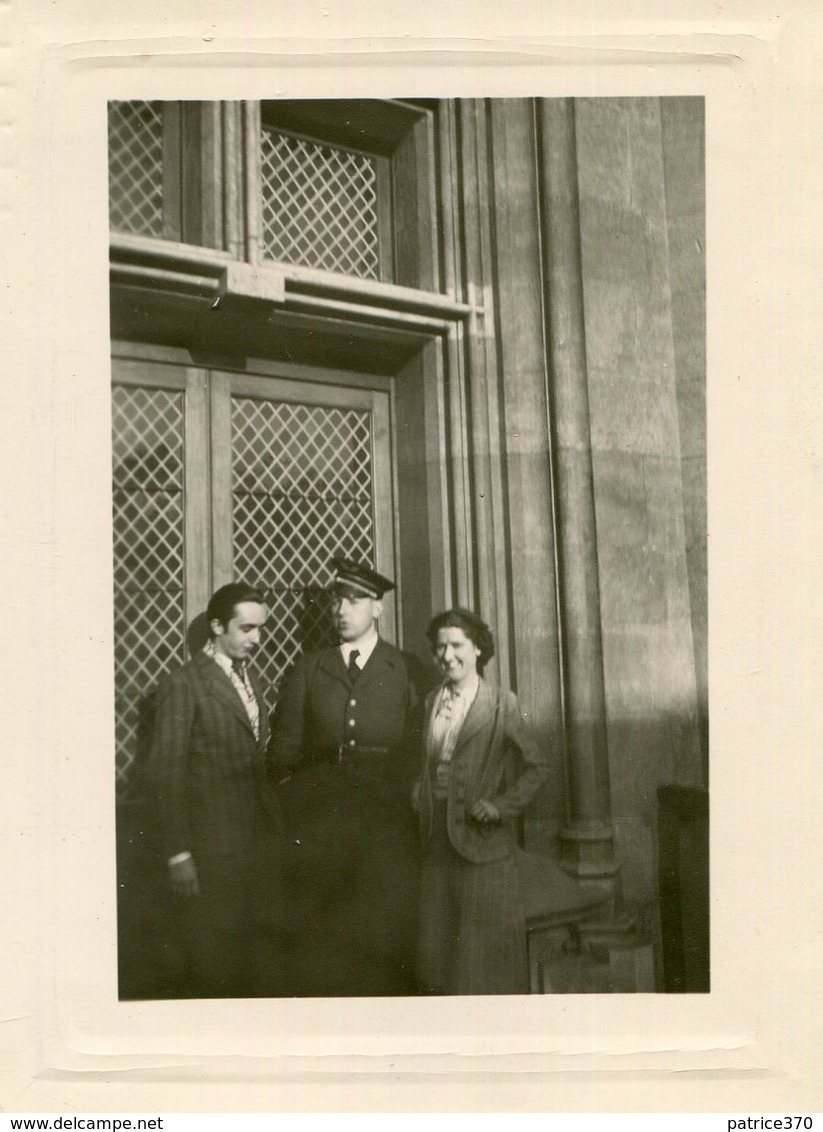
[[351, 865], [216, 812]]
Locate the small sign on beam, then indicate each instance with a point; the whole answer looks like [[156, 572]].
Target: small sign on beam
[[253, 281]]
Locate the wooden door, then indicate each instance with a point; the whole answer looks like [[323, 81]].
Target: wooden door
[[221, 476]]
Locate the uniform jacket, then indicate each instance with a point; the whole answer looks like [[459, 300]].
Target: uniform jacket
[[494, 758], [319, 710], [206, 767]]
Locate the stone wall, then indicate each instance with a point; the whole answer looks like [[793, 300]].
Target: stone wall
[[604, 323], [684, 166], [639, 335]]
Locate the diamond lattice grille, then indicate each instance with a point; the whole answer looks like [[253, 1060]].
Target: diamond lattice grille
[[149, 564], [319, 205], [302, 492], [136, 167]]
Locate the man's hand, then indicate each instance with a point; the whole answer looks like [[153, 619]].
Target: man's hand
[[183, 877], [485, 812]]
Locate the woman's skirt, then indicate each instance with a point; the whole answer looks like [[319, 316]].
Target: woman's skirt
[[472, 922]]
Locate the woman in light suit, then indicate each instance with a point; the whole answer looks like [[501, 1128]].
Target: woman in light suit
[[479, 769]]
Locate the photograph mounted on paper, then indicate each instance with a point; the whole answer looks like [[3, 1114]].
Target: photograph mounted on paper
[[409, 529]]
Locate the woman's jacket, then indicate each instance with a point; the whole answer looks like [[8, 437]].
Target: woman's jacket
[[494, 758]]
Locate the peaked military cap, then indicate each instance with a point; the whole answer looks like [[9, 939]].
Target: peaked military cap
[[358, 576]]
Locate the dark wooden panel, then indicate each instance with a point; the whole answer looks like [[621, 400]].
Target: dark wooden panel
[[683, 862]]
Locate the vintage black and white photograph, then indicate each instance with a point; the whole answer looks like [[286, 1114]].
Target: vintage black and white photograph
[[409, 546]]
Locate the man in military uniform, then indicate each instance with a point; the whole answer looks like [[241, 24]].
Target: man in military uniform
[[351, 859]]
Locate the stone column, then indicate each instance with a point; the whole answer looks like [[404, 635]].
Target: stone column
[[587, 838], [522, 424]]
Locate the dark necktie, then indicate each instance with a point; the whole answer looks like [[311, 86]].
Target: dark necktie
[[353, 669]]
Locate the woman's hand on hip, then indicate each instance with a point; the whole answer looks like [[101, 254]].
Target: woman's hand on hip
[[485, 812]]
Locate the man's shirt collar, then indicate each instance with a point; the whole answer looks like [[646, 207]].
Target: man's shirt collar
[[365, 648], [219, 657]]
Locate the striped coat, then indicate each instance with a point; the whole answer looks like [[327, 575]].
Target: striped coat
[[472, 920], [209, 783], [206, 768]]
